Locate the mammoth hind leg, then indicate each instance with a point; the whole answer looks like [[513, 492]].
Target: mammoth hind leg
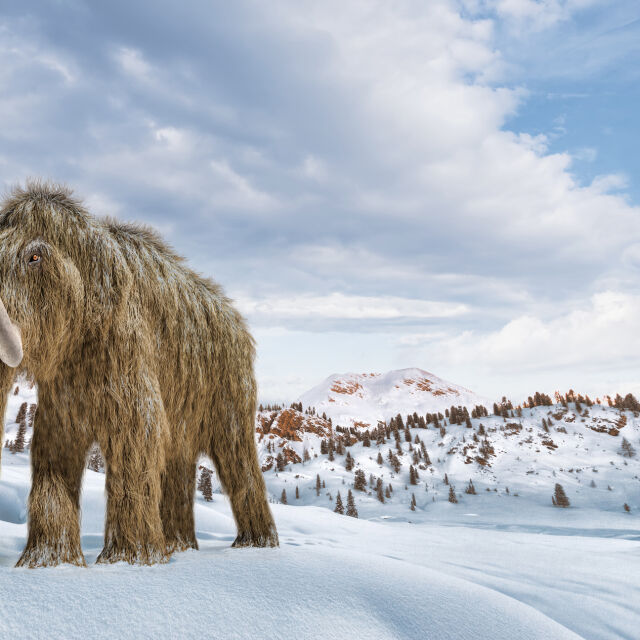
[[176, 506], [234, 455]]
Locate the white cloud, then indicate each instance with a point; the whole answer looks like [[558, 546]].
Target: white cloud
[[603, 333], [538, 14], [346, 307], [132, 62]]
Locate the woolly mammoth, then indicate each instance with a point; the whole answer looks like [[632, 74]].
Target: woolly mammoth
[[133, 350]]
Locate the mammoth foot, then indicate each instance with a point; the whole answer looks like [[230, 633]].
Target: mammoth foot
[[180, 543], [44, 555], [144, 554], [267, 538]]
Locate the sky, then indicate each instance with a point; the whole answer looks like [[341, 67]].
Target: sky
[[451, 185]]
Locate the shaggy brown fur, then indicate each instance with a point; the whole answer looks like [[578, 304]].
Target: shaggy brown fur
[[132, 349]]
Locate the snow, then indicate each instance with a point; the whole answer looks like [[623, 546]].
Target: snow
[[369, 397], [494, 566]]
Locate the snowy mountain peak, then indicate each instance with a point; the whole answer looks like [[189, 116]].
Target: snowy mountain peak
[[351, 397]]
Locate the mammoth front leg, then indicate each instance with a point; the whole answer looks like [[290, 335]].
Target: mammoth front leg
[[57, 464], [134, 455]]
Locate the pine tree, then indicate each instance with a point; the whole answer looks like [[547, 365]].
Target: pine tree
[[18, 443], [283, 497], [318, 484], [280, 463], [305, 455], [360, 481], [351, 505], [446, 479], [627, 449], [95, 461], [414, 504], [380, 460], [412, 475], [559, 498], [207, 489], [22, 413], [379, 491], [297, 493], [366, 440], [339, 508], [452, 495], [348, 462], [470, 488], [331, 450], [31, 414]]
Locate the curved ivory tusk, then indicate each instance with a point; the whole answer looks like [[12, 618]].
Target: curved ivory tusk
[[10, 341]]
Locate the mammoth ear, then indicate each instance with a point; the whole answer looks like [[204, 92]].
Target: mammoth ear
[[108, 282]]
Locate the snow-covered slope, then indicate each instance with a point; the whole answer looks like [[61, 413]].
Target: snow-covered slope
[[500, 563], [507, 459], [369, 397], [460, 578]]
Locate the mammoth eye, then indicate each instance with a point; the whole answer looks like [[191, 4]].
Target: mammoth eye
[[34, 258]]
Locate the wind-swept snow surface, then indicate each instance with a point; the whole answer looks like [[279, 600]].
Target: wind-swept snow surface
[[333, 577], [498, 564]]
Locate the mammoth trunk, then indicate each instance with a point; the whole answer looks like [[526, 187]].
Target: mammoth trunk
[[10, 342], [7, 377]]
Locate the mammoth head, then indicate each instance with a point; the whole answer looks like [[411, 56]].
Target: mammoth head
[[61, 275]]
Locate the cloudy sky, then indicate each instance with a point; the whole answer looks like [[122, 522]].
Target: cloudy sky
[[449, 185]]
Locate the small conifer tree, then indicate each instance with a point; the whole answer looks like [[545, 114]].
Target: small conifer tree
[[360, 480], [452, 495], [627, 449], [22, 413], [351, 505], [18, 443], [559, 498], [207, 489], [283, 497], [348, 462], [31, 414], [413, 502], [339, 508], [96, 462], [318, 485]]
